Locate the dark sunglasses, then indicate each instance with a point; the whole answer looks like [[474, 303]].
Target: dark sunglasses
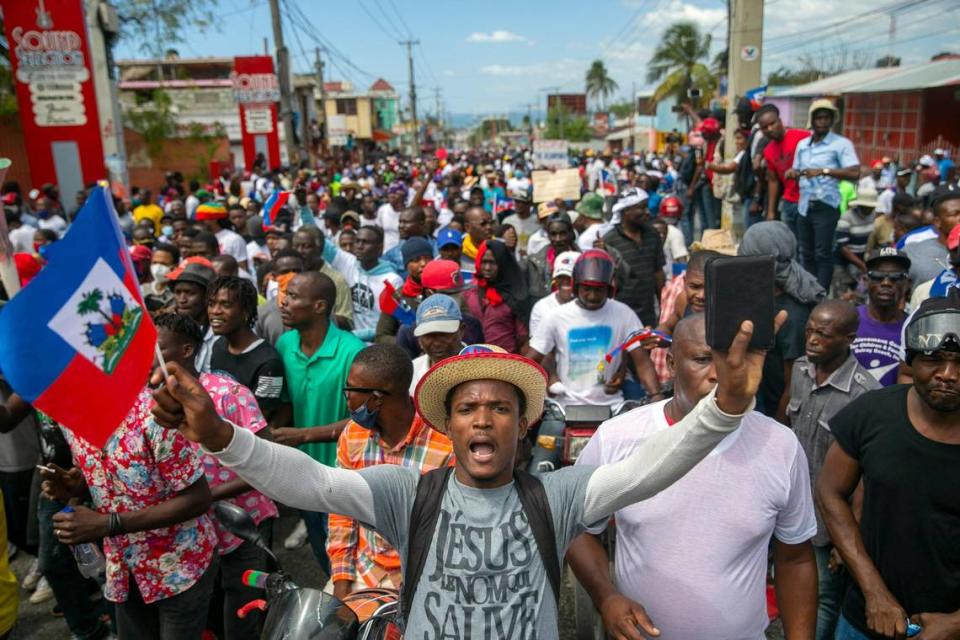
[[348, 390], [880, 276]]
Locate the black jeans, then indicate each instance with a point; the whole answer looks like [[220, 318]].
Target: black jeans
[[179, 617], [236, 593], [16, 502], [59, 567], [815, 232]]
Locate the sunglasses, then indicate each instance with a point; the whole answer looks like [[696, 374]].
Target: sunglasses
[[348, 390], [880, 276]]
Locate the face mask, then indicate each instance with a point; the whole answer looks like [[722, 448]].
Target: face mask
[[167, 230], [365, 417], [159, 271]]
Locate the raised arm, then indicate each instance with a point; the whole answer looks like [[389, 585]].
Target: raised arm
[[279, 472], [666, 457]]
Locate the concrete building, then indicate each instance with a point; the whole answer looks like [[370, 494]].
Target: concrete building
[[358, 117]]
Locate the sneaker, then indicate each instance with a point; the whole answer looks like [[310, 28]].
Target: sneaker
[[297, 537], [42, 593], [33, 576]]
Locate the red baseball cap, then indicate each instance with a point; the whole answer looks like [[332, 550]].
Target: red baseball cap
[[442, 275]]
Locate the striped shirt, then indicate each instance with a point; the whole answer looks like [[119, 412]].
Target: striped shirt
[[637, 266], [358, 552], [854, 229]]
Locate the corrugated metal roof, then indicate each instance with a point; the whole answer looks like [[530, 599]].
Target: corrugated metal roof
[[918, 76], [835, 85], [911, 77]]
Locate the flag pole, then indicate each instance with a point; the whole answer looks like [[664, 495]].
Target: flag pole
[[8, 269], [163, 363]]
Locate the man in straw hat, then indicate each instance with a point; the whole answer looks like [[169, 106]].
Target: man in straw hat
[[819, 164], [489, 533]]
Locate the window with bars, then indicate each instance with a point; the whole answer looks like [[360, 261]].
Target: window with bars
[[347, 106]]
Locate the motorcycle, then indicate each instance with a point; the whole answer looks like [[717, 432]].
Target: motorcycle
[[299, 613]]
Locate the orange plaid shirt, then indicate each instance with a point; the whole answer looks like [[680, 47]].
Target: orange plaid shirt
[[357, 552]]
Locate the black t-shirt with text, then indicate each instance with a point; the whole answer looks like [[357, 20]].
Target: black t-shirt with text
[[259, 368], [911, 504]]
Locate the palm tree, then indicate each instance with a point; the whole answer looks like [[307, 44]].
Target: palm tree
[[599, 83], [678, 62]]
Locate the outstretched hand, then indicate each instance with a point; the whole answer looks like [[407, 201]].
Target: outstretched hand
[[740, 369], [182, 403]]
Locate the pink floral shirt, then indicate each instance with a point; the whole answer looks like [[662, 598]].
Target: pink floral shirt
[[236, 403], [141, 465]]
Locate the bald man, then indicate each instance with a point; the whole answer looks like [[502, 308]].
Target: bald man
[[824, 381], [316, 359], [715, 523]]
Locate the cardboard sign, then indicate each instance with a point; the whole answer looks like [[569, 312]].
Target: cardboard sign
[[550, 154], [550, 185]]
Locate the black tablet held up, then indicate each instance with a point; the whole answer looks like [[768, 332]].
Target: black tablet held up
[[739, 288]]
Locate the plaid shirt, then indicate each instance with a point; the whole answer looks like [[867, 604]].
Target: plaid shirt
[[357, 552], [668, 306]]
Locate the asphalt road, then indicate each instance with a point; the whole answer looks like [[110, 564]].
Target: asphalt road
[[37, 623]]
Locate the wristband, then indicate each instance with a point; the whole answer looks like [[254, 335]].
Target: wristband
[[115, 525]]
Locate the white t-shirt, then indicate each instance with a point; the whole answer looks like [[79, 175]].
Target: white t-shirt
[[675, 248], [542, 309], [390, 221], [593, 233], [885, 201], [538, 240], [366, 301], [232, 243], [695, 555], [22, 239], [582, 339], [525, 227], [55, 223], [421, 364]]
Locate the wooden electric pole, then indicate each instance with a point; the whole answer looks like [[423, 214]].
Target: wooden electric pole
[[283, 75], [413, 96]]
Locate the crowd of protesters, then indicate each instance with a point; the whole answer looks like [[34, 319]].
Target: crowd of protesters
[[330, 324]]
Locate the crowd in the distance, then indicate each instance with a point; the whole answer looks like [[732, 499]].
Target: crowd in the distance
[[312, 321]]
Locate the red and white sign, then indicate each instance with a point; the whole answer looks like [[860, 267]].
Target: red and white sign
[[257, 92], [50, 56]]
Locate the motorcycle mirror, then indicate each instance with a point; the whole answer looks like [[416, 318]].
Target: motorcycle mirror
[[239, 523]]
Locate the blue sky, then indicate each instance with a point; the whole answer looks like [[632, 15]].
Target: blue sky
[[499, 56]]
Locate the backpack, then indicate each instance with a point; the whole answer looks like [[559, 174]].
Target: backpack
[[426, 511], [745, 179]]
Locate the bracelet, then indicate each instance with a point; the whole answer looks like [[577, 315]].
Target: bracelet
[[115, 525]]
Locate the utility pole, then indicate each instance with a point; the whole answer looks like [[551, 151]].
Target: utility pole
[[743, 70], [413, 95], [322, 112], [283, 74]]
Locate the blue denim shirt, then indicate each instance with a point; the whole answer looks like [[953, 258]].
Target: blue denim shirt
[[832, 152]]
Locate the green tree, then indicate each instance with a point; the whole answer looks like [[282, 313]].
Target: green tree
[[678, 63], [599, 83], [90, 303], [156, 24], [154, 120], [622, 109], [563, 125]]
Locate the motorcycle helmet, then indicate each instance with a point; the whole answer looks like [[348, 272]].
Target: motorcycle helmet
[[595, 267], [671, 207]]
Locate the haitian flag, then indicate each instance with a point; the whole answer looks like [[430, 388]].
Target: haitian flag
[[272, 208], [77, 343], [392, 304]]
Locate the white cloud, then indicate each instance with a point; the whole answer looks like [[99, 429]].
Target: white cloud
[[495, 37], [563, 70], [448, 73]]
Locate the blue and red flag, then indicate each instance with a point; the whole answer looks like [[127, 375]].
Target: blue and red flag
[[608, 182], [394, 305], [84, 316], [273, 206]]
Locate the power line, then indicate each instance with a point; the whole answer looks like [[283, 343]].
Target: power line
[[823, 29], [376, 21], [334, 52], [402, 21]]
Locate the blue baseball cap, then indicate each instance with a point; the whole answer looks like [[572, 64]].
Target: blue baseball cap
[[438, 314], [448, 236]]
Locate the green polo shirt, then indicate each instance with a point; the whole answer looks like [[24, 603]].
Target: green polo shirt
[[314, 385]]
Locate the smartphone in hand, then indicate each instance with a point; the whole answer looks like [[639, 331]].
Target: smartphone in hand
[[739, 288]]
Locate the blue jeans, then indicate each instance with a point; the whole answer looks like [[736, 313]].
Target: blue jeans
[[831, 588], [69, 587], [789, 214], [750, 219], [317, 535], [707, 206], [815, 232], [846, 631]]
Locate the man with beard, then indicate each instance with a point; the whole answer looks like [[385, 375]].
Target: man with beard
[[903, 441], [824, 381]]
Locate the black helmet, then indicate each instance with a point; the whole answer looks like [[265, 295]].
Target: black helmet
[[595, 267]]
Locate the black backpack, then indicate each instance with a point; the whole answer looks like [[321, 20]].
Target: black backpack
[[426, 511], [745, 180]]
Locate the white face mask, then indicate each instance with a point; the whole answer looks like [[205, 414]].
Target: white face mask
[[159, 271]]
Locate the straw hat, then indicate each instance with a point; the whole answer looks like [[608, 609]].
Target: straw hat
[[479, 362], [718, 240]]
